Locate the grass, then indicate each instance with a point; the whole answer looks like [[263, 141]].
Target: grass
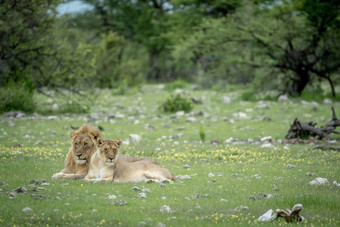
[[234, 166]]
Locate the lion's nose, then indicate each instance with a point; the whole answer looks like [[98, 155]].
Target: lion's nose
[[78, 155], [111, 159]]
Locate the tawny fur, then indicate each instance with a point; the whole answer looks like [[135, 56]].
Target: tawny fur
[[106, 167], [74, 170]]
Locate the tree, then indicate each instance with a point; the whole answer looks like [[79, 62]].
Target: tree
[[23, 44]]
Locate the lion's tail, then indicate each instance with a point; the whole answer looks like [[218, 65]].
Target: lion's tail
[[173, 177]]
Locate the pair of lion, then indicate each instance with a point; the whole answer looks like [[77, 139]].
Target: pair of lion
[[94, 159]]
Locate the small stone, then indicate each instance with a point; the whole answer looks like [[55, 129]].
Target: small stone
[[38, 142], [45, 184], [230, 140], [186, 166], [266, 216], [319, 181], [290, 166], [226, 100], [252, 197], [141, 224], [267, 138], [135, 188], [211, 175], [336, 184], [224, 200], [165, 209], [311, 174], [267, 145], [160, 224], [257, 176], [141, 195], [20, 190], [120, 202], [112, 197], [27, 209], [241, 208], [66, 204], [283, 99], [210, 182], [183, 177], [149, 127], [191, 120], [162, 185], [135, 138], [145, 190]]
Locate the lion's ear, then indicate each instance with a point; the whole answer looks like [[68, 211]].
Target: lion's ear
[[100, 142], [95, 135], [73, 135], [118, 142]]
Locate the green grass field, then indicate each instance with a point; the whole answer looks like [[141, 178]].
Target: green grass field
[[224, 176]]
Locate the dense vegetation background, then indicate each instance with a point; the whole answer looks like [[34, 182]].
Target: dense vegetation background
[[277, 47]]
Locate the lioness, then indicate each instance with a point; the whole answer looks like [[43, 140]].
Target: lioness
[[106, 167], [84, 145]]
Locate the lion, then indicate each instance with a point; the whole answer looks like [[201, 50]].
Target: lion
[[106, 167], [84, 145]]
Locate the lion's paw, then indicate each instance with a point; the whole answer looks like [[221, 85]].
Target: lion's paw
[[59, 175]]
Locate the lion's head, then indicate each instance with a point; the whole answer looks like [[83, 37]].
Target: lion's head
[[109, 150], [84, 143]]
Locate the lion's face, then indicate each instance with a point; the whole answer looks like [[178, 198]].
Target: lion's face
[[83, 147], [84, 144], [109, 150]]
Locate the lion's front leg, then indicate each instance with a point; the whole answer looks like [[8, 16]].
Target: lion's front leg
[[67, 176], [89, 178]]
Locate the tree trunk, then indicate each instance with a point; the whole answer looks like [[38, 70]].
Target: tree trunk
[[301, 82]]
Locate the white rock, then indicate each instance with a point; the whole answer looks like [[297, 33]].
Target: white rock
[[134, 138], [267, 145], [266, 216], [192, 120], [27, 209], [224, 200], [211, 175], [267, 138], [327, 101], [319, 181], [141, 195], [226, 100], [165, 209], [290, 166], [183, 177], [231, 139], [240, 115], [55, 106], [111, 197], [336, 184], [180, 114], [283, 98]]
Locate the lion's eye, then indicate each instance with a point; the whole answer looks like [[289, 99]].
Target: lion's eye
[[85, 144], [105, 149], [76, 144]]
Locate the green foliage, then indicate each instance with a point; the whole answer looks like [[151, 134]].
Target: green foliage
[[176, 103], [179, 83], [202, 133], [17, 96]]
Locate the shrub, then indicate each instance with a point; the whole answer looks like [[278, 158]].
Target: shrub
[[179, 83], [202, 133], [16, 96], [176, 103]]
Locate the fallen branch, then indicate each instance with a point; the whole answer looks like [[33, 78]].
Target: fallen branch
[[304, 130]]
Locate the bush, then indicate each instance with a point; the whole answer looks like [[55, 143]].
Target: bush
[[176, 103], [16, 96], [179, 83]]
